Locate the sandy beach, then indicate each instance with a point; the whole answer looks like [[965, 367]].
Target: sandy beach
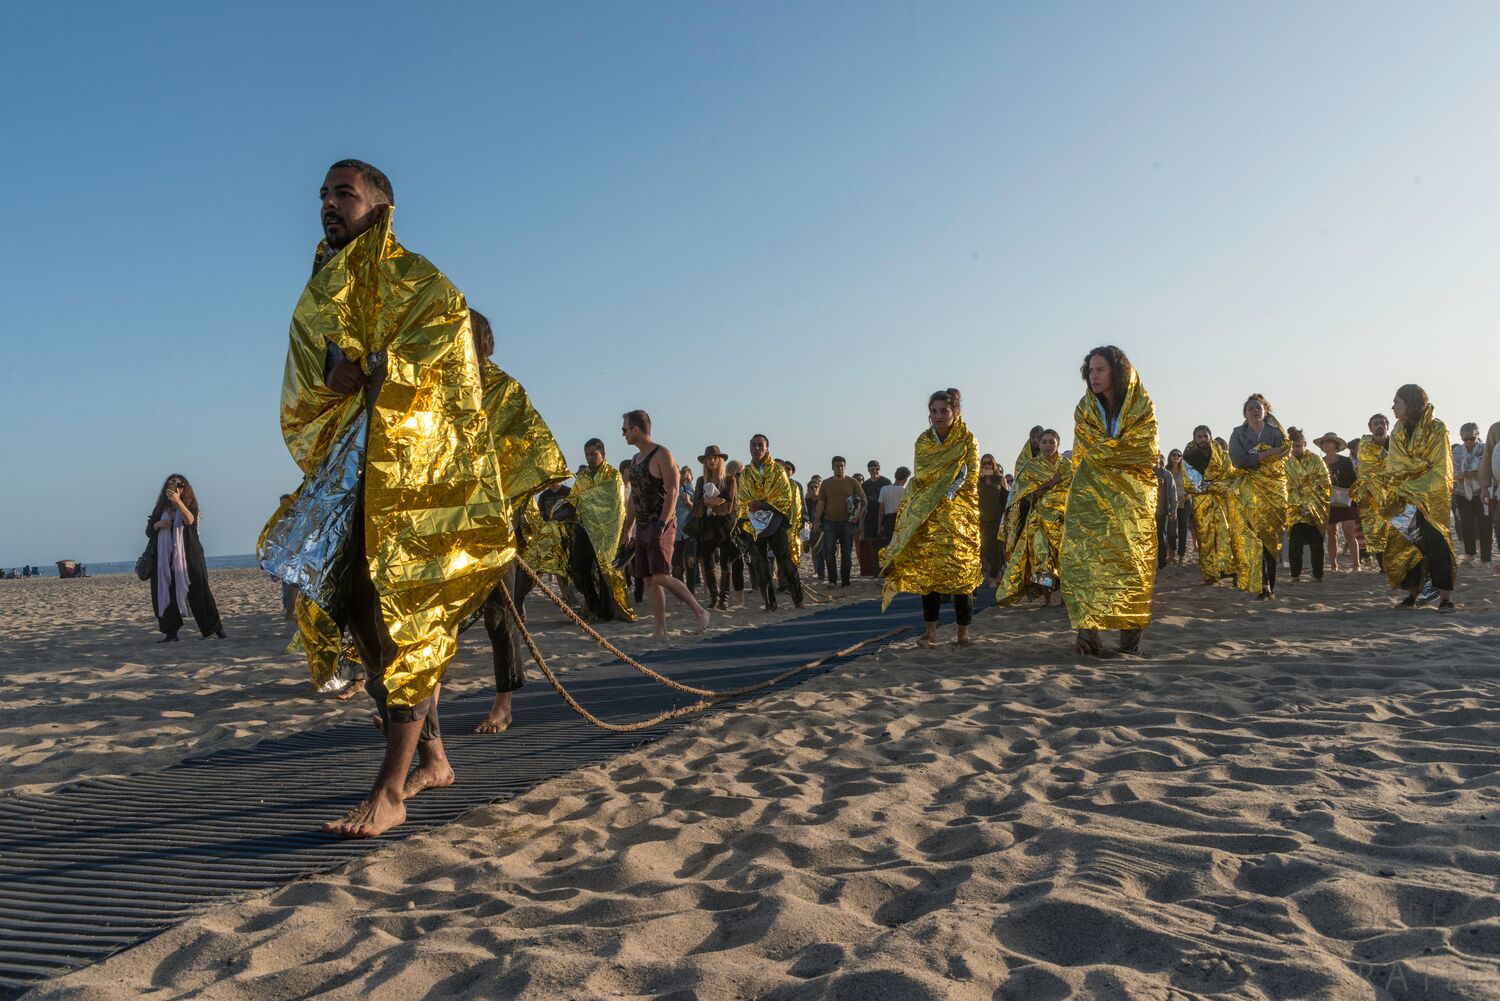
[[1294, 799]]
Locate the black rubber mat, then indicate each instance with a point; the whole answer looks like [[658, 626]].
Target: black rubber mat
[[96, 867]]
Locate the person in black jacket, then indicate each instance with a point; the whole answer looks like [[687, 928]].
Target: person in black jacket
[[181, 580]]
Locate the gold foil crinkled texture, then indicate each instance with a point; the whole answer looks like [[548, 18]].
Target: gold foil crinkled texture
[[599, 498], [934, 545], [435, 520], [1108, 564], [1257, 513], [1309, 491], [527, 454], [1037, 546], [547, 541], [769, 483], [1210, 493], [1418, 470], [1369, 492]]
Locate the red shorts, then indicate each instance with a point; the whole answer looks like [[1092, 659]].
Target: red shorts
[[653, 548]]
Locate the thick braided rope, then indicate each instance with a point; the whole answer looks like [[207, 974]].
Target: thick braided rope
[[707, 702]]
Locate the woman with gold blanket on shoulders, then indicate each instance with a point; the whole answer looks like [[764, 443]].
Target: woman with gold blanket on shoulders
[[1108, 562], [934, 547], [1418, 481], [1207, 472], [1031, 560], [1309, 492], [1257, 509], [1368, 492]]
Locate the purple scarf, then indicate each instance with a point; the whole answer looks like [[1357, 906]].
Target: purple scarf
[[171, 566]]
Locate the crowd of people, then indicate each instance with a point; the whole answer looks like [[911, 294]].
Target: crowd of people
[[404, 529]]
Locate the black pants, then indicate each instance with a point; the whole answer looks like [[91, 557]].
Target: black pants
[[768, 545], [1472, 527], [1437, 562], [887, 528], [1303, 534], [963, 607], [683, 553], [583, 566], [1184, 519], [1267, 571], [989, 548], [200, 602], [838, 537], [505, 634], [373, 641], [1166, 535], [719, 557]]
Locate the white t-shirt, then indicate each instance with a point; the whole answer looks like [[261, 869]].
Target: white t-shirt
[[890, 498]]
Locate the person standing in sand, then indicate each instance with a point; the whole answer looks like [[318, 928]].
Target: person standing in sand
[[598, 500], [651, 521], [1368, 490], [713, 506], [1031, 563], [400, 529], [993, 495], [1308, 489], [1418, 482], [934, 548], [1207, 472], [529, 461], [1258, 450], [181, 581], [1342, 515], [1108, 563], [766, 505]]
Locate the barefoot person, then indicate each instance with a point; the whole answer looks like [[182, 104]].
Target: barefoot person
[[400, 528], [651, 521], [529, 461], [1258, 450], [1108, 563], [1207, 472], [766, 503], [934, 549], [1031, 561], [1308, 492], [1369, 486], [1418, 481], [598, 498]]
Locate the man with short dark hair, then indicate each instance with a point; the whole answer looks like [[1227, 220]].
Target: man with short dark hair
[[841, 510], [766, 506], [401, 527], [651, 520]]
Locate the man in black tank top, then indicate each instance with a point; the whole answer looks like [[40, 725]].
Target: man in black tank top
[[651, 522]]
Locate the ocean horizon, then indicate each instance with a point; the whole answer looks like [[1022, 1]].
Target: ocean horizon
[[243, 561]]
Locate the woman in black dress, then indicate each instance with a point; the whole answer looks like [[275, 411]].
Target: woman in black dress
[[181, 574]]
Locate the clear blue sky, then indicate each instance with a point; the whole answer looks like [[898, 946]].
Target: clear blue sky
[[791, 218]]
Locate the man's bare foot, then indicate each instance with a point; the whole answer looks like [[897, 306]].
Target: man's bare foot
[[353, 689], [379, 723], [370, 819], [495, 722], [702, 621], [438, 775], [661, 637]]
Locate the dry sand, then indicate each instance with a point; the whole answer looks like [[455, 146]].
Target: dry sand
[[1298, 799]]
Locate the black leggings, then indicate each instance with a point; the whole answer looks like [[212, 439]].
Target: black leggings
[[719, 557], [1436, 559], [505, 636], [1303, 534], [1267, 571], [1471, 526], [963, 607], [775, 545]]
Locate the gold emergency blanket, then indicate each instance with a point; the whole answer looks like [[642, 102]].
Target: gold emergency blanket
[[435, 522], [1308, 491], [598, 495], [1257, 513], [1418, 471], [1210, 493], [1108, 564], [934, 545], [525, 450], [547, 541], [1369, 493], [1031, 558], [769, 483], [1010, 524]]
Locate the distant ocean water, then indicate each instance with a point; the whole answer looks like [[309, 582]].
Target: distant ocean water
[[247, 561]]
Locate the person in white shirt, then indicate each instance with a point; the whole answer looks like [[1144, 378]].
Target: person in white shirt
[[890, 500], [1468, 493]]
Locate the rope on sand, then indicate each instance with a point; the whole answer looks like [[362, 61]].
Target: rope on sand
[[707, 697]]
